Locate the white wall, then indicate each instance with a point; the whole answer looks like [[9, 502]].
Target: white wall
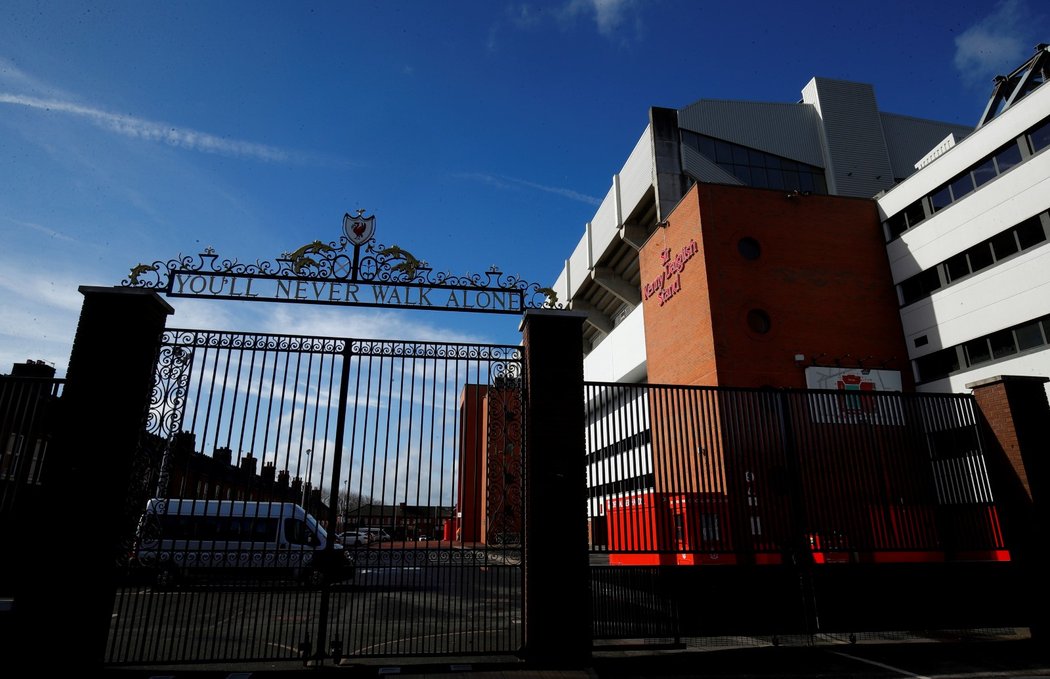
[[620, 357]]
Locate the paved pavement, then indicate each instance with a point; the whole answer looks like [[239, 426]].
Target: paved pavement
[[1021, 658]]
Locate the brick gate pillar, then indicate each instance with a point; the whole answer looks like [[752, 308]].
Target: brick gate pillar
[[1016, 418], [67, 608], [557, 586]]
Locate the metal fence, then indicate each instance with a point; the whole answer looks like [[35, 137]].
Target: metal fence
[[786, 502]]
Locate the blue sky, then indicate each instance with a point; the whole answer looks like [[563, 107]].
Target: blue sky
[[478, 133]]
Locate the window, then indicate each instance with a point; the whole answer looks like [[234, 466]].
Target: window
[[1004, 245], [1002, 344], [1007, 157], [1030, 232], [984, 172], [980, 256], [977, 351], [757, 168], [957, 267], [1029, 336], [941, 198], [961, 186], [919, 286], [938, 364], [1039, 137], [749, 248], [758, 321]]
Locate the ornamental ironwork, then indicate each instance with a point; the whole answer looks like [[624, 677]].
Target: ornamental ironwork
[[355, 270]]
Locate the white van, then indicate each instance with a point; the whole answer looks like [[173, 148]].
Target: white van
[[178, 538]]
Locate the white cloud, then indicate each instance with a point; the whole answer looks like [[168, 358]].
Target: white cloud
[[608, 15], [503, 182], [995, 44], [138, 128]]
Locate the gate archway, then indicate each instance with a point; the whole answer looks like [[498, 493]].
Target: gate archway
[[408, 440]]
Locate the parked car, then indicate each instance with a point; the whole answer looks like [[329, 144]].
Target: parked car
[[355, 538], [378, 535]]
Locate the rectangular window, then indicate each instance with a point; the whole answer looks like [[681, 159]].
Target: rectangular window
[[941, 198], [820, 184], [896, 225], [977, 351], [723, 152], [1004, 245], [1029, 336], [915, 213], [758, 178], [1039, 137], [706, 146], [938, 364], [805, 181], [957, 267], [1007, 157], [1030, 232], [775, 177], [980, 257], [911, 289], [961, 186], [739, 155], [1002, 344], [984, 172]]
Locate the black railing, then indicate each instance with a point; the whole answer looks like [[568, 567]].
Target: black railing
[[765, 476]]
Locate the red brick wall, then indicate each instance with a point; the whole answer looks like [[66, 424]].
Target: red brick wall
[[679, 342], [822, 277]]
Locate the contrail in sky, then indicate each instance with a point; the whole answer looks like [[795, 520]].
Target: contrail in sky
[[137, 128]]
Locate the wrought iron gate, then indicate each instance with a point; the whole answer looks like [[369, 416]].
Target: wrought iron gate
[[408, 454]]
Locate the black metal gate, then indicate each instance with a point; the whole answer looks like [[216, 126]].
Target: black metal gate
[[409, 456]]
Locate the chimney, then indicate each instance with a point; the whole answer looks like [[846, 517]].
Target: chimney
[[297, 486], [269, 472], [282, 479], [184, 443], [248, 464], [224, 455]]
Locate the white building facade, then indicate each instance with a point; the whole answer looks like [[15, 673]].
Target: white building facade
[[969, 243]]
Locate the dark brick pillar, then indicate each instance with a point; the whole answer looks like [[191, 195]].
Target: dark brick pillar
[[1016, 418], [67, 606], [557, 589]]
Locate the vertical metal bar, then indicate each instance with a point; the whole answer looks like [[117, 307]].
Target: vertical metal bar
[[333, 506]]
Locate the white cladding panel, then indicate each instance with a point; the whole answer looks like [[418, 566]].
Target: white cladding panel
[[1018, 194], [636, 177], [604, 229], [621, 355], [999, 297], [579, 264]]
